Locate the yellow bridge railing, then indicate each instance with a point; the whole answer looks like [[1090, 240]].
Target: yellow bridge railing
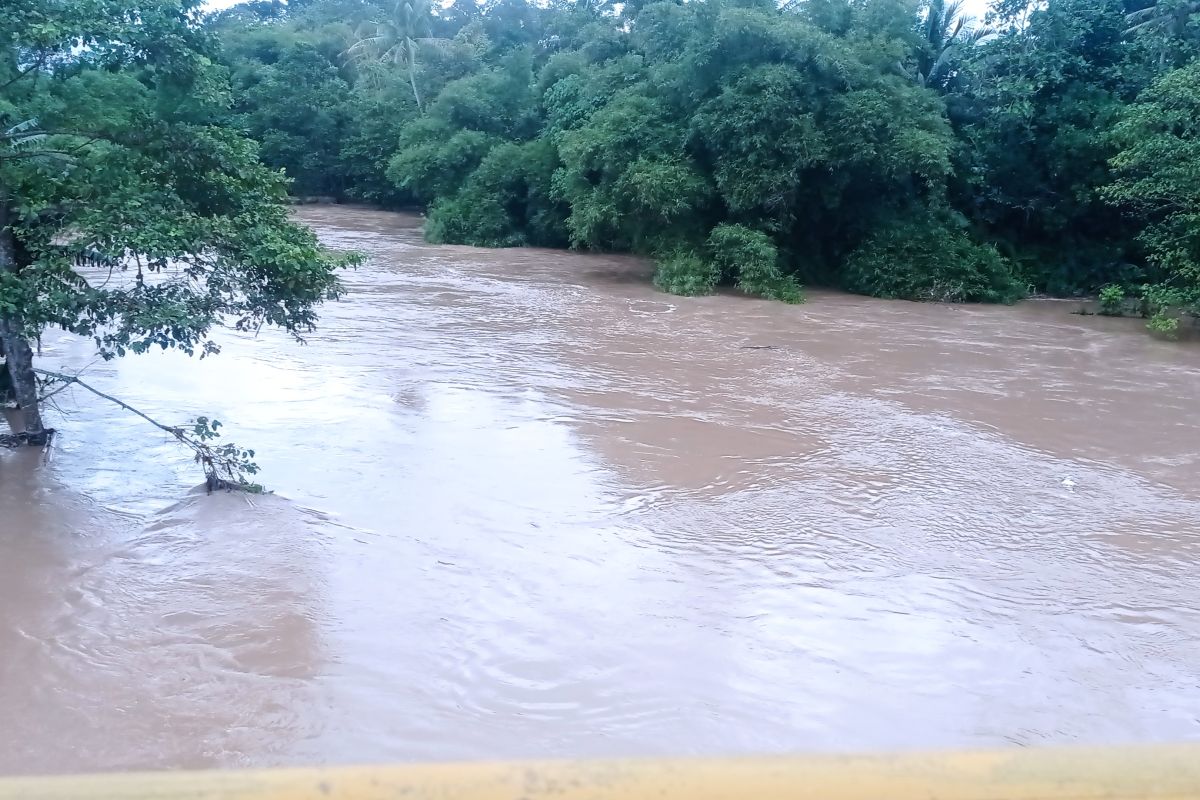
[[1146, 772]]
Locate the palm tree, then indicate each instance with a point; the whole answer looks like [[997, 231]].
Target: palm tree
[[396, 39], [1169, 18], [945, 30]]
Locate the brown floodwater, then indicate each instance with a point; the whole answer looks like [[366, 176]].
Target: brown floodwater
[[526, 506]]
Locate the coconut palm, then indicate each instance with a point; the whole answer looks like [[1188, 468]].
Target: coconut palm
[[945, 31], [1167, 18], [396, 39]]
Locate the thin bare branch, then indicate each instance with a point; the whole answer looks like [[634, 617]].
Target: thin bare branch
[[73, 379], [224, 466], [37, 65]]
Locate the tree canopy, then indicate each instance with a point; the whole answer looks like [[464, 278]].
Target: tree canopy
[[131, 211], [892, 147]]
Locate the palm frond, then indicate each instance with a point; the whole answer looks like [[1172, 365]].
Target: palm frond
[[26, 142], [977, 35], [954, 10], [20, 128], [364, 44], [1155, 16], [1142, 14]]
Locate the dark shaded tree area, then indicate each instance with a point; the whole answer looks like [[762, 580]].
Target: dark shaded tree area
[[882, 146]]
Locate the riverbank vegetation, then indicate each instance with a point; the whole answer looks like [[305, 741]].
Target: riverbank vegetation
[[890, 147]]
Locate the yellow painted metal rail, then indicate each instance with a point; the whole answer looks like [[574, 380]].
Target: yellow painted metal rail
[[1147, 772]]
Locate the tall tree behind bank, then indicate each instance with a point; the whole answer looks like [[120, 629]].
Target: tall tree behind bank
[[326, 87], [1035, 112], [396, 38], [129, 212], [948, 35]]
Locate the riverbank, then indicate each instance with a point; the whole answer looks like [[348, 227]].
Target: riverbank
[[1188, 330]]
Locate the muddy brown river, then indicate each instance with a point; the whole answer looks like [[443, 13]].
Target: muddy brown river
[[526, 506]]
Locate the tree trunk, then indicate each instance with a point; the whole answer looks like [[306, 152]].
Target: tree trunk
[[18, 354], [412, 81], [410, 61]]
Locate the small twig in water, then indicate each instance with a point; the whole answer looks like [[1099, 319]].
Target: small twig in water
[[59, 390]]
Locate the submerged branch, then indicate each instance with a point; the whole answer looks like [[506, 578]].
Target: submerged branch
[[225, 466]]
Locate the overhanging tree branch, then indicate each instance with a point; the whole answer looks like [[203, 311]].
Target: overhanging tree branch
[[225, 466]]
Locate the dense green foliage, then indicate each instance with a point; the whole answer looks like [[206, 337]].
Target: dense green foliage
[[883, 146], [684, 272], [1158, 175], [890, 147], [924, 259], [131, 212], [750, 259]]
